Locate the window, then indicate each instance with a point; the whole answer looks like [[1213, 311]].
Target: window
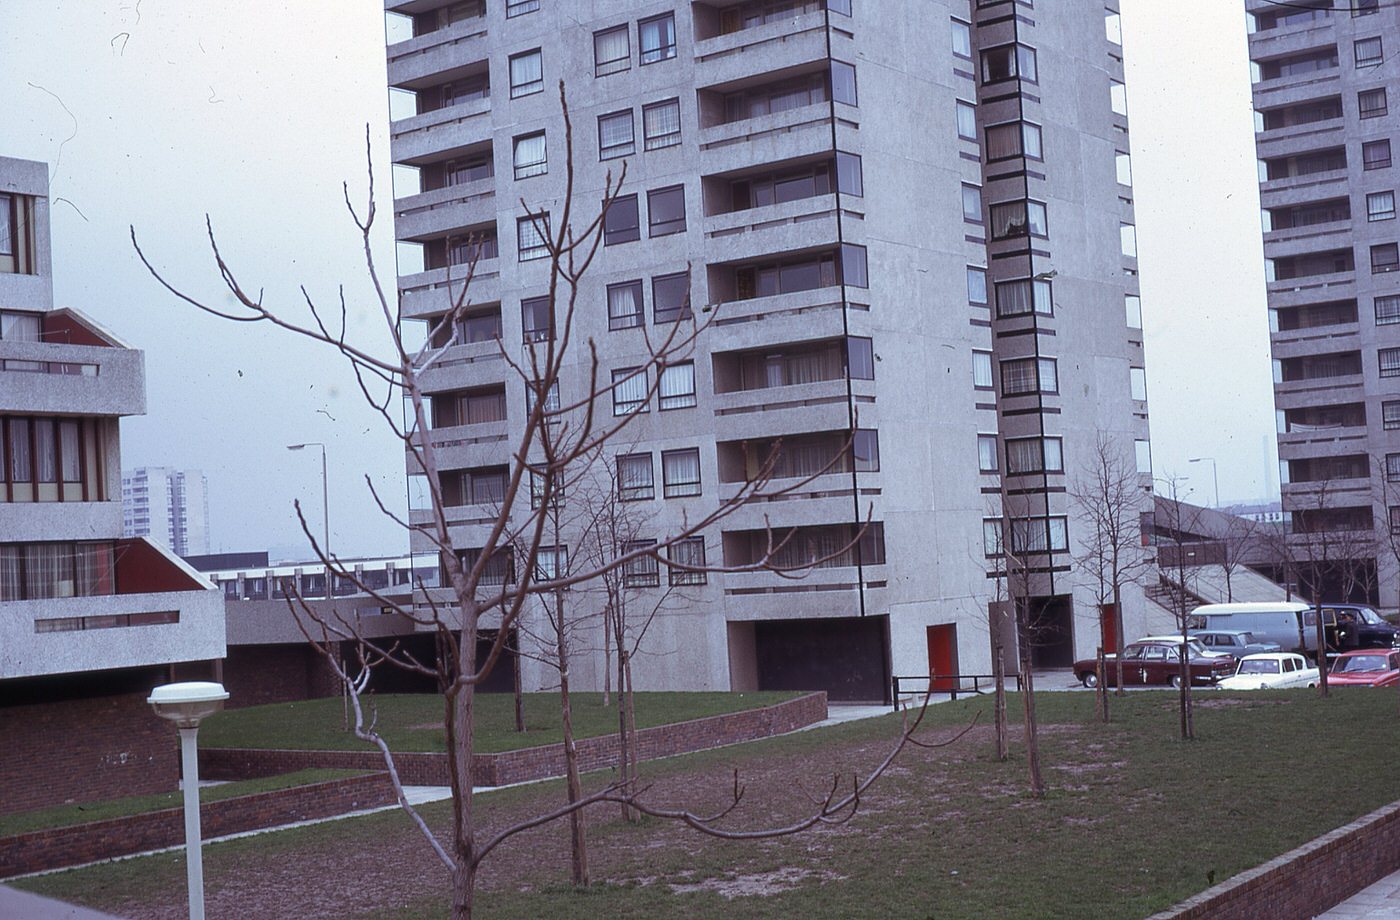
[[1027, 295], [615, 137], [853, 266], [537, 319], [1384, 258], [1392, 467], [670, 298], [530, 237], [20, 327], [526, 74], [551, 400], [849, 179], [1368, 52], [677, 386], [1011, 219], [967, 121], [860, 358], [1137, 382], [521, 7], [1387, 309], [982, 370], [530, 156], [1127, 240], [1124, 166], [1133, 305], [1118, 97], [640, 571], [839, 6], [612, 51], [1364, 7], [991, 537], [987, 453], [485, 486], [1375, 154], [482, 325], [1395, 519], [35, 571], [1039, 535], [666, 211], [1390, 414], [686, 560], [1014, 139], [622, 222], [972, 203], [1009, 62], [680, 472], [629, 390], [843, 82], [865, 448], [1389, 359], [1380, 206], [1142, 454], [625, 305], [976, 285], [1371, 103], [469, 169], [1034, 455], [469, 407], [1113, 26], [551, 562], [962, 39], [1028, 375], [634, 477], [661, 124], [657, 38]]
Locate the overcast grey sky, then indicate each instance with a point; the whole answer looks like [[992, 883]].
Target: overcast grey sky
[[153, 113]]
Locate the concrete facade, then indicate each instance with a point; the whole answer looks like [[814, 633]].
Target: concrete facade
[[169, 506], [1327, 83], [870, 255]]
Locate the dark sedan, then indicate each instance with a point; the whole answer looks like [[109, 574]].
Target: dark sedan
[[1149, 663]]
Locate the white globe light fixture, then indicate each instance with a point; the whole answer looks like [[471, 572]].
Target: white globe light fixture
[[186, 704]]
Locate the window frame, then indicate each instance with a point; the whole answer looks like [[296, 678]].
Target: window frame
[[634, 320], [682, 399], [1375, 206], [685, 488], [668, 227], [1376, 93], [637, 492], [685, 576], [518, 91], [682, 311], [607, 68], [661, 141], [1378, 162], [528, 170], [537, 225], [631, 378], [616, 150], [662, 52], [618, 210]]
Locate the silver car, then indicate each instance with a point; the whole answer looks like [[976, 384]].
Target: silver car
[[1237, 642]]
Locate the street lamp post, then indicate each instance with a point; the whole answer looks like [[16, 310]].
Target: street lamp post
[[186, 704], [325, 509], [1214, 477]]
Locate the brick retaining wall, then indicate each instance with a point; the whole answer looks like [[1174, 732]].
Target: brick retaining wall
[[55, 848], [1304, 882], [531, 763]]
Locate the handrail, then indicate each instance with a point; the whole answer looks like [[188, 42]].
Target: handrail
[[978, 688]]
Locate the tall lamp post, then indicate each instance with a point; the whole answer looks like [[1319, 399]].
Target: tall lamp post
[[325, 508], [1214, 477], [186, 704]]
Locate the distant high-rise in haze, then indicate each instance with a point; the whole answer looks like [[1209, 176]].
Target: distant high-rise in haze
[[168, 505]]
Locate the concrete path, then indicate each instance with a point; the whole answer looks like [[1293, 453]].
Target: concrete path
[[1380, 901], [22, 904]]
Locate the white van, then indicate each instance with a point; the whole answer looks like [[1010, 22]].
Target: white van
[[1269, 621]]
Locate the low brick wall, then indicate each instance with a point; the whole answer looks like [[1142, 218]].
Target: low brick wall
[[532, 763], [1304, 882], [38, 851]]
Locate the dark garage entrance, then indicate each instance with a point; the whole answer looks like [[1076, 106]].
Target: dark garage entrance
[[423, 647], [848, 657], [1050, 625]]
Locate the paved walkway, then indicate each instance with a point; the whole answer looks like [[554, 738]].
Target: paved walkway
[[22, 904], [1380, 901]]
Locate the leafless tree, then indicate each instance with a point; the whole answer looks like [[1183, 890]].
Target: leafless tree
[[1237, 543], [487, 592], [1110, 499], [1016, 556], [1177, 524]]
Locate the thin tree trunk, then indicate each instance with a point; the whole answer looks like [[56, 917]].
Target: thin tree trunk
[[460, 730], [1118, 635], [1101, 688], [1188, 721], [577, 839], [1028, 704], [607, 656], [999, 680], [630, 703], [515, 673], [1321, 646]]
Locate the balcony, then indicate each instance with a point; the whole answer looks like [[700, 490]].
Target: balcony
[[433, 292], [419, 137], [163, 613], [431, 53], [75, 369], [769, 48], [767, 138], [435, 212], [751, 323]]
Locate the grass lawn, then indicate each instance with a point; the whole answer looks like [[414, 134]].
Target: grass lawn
[[83, 812], [413, 721], [1135, 820]]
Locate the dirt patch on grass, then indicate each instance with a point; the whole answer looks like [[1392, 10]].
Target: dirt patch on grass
[[758, 885]]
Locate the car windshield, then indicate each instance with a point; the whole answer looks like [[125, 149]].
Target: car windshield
[[1361, 663], [1258, 666], [1370, 616]]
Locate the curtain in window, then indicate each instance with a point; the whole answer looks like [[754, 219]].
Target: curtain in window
[[485, 408], [1049, 381], [20, 461], [1014, 298], [987, 453], [629, 390], [1004, 141], [812, 366], [1008, 219], [530, 232], [615, 131], [624, 306], [1018, 376], [18, 327], [48, 569], [45, 450], [688, 552], [663, 120], [634, 474], [71, 460], [982, 369], [529, 156], [612, 51], [680, 471], [1059, 533], [808, 457], [657, 38], [1390, 361], [94, 564], [678, 385], [10, 587], [1023, 455], [525, 70]]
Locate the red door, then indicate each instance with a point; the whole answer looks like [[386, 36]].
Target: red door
[[943, 657], [1108, 628]]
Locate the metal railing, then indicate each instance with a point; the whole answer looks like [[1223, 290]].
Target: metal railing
[[961, 684]]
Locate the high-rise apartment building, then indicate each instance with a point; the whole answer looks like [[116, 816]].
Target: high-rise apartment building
[[170, 506], [912, 223], [1325, 77], [90, 621]]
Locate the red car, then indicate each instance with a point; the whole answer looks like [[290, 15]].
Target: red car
[[1156, 661], [1374, 667]]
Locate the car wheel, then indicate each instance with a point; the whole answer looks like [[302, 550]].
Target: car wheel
[[1312, 686], [1090, 679], [1176, 681]]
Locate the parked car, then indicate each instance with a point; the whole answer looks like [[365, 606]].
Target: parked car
[[1353, 626], [1196, 646], [1271, 671], [1366, 668], [1155, 661], [1237, 642]]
